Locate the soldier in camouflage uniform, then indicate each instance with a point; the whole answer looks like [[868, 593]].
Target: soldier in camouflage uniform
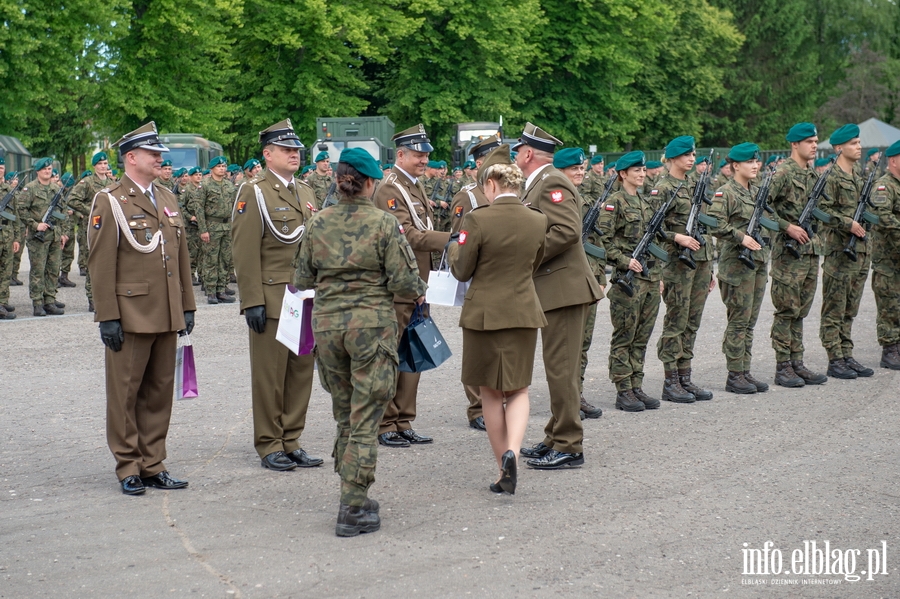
[[593, 183], [742, 288], [165, 176], [320, 179], [843, 280], [623, 221], [886, 259], [655, 169], [188, 203], [43, 254], [355, 325], [10, 223], [685, 289], [67, 255], [80, 201], [794, 280], [212, 206]]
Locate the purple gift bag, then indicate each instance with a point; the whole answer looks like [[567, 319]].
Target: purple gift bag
[[185, 371]]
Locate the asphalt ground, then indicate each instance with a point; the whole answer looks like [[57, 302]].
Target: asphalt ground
[[667, 504]]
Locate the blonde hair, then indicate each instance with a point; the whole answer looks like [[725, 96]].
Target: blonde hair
[[507, 176]]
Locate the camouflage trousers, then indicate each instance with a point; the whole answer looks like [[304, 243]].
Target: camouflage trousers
[[17, 258], [6, 261], [215, 260], [742, 303], [82, 243], [684, 293], [358, 367], [843, 282], [632, 320], [67, 256], [194, 248], [887, 301], [44, 275], [792, 297]]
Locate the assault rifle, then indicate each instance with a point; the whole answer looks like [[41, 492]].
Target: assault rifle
[[589, 222], [863, 216], [697, 221], [4, 203], [811, 209], [52, 211], [758, 220], [330, 197], [646, 246]]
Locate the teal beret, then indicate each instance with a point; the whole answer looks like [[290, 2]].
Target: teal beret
[[67, 179], [702, 159], [362, 161], [2, 160], [596, 159], [631, 159], [821, 162], [679, 147], [205, 172], [744, 152], [166, 163], [194, 171], [115, 172], [54, 172], [11, 175], [654, 164], [568, 157], [433, 164], [457, 169], [470, 164], [321, 156], [216, 162], [844, 134], [252, 163], [234, 168], [801, 131], [42, 163], [893, 149], [306, 169], [99, 157], [722, 163], [387, 166], [871, 151], [85, 174], [772, 159], [513, 154]]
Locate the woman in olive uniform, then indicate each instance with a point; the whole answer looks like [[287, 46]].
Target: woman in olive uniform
[[356, 258], [624, 219], [499, 247], [742, 288]]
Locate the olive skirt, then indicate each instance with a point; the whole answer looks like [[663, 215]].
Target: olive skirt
[[501, 359]]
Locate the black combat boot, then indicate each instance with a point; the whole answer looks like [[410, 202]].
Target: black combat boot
[[353, 520], [785, 375], [839, 370], [39, 309], [736, 383], [760, 386], [858, 368], [5, 314], [700, 394], [64, 280], [52, 310], [650, 403], [224, 298], [809, 377], [91, 306], [673, 391], [626, 401], [212, 299], [890, 357]]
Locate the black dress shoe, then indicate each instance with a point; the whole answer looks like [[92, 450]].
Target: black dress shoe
[[495, 488], [132, 485], [392, 439], [537, 451], [860, 370], [508, 476], [277, 460], [414, 437], [353, 520], [303, 459], [478, 424], [557, 460], [164, 480]]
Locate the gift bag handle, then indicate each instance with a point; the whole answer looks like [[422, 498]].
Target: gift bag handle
[[418, 314]]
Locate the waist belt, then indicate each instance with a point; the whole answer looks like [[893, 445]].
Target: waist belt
[[217, 219]]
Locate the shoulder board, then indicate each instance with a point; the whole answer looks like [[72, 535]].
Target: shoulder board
[[468, 187], [302, 182], [478, 208], [392, 178], [104, 190]]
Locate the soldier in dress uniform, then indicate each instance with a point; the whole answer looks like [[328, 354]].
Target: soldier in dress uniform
[[320, 178], [886, 259], [140, 268], [566, 288], [268, 223], [402, 195]]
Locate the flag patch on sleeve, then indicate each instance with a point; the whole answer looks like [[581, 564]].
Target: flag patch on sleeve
[[462, 237], [719, 194], [654, 192], [556, 196], [881, 188], [610, 207]]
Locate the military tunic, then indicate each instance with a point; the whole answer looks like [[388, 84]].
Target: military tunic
[[742, 289], [886, 258], [358, 261], [43, 255]]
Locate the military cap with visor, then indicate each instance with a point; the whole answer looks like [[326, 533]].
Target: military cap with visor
[[844, 134], [280, 134], [42, 163], [568, 157], [484, 146], [144, 137], [537, 138], [801, 131], [413, 138], [499, 155], [680, 146], [362, 161], [744, 152], [631, 159]]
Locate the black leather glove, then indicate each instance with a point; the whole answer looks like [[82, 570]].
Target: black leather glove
[[256, 318], [188, 323], [111, 334], [453, 239]]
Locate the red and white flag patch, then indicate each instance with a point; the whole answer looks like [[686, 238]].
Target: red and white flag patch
[[654, 192], [556, 196], [881, 188], [311, 207], [462, 237], [401, 228], [610, 207], [719, 194]]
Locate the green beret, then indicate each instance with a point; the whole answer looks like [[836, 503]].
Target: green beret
[[821, 162], [85, 174], [442, 164], [801, 131], [252, 163], [629, 160], [234, 168], [771, 159], [457, 169], [2, 160], [115, 172], [893, 149], [54, 172], [844, 134], [722, 163], [871, 151], [703, 159], [99, 157], [11, 175], [362, 161], [42, 163], [67, 179], [470, 164], [654, 164], [433, 164], [744, 152], [216, 162], [568, 157], [306, 169], [205, 172], [387, 166], [321, 156], [194, 171], [166, 163], [596, 159], [679, 147], [513, 154]]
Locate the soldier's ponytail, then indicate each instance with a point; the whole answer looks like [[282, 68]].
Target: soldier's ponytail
[[350, 182]]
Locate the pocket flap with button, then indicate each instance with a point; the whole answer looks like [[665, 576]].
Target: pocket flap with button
[[276, 277], [132, 289]]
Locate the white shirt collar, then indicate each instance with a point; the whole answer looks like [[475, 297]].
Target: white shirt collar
[[282, 179], [145, 190], [408, 176], [534, 175]]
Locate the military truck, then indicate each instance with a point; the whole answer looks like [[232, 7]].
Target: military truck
[[371, 133], [14, 154], [187, 150], [469, 134]]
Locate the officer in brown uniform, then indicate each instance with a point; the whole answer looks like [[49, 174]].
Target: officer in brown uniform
[[467, 199], [267, 226], [566, 289], [141, 277], [401, 194]]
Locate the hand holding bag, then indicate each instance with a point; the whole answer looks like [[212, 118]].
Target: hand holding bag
[[443, 288], [295, 321]]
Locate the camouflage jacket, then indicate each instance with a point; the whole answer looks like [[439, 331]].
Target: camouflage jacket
[[212, 205], [8, 226], [886, 234], [624, 219], [170, 184], [598, 266], [356, 258], [320, 185], [34, 200], [592, 186], [733, 207], [788, 193], [82, 195], [677, 216], [842, 191], [187, 201]]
